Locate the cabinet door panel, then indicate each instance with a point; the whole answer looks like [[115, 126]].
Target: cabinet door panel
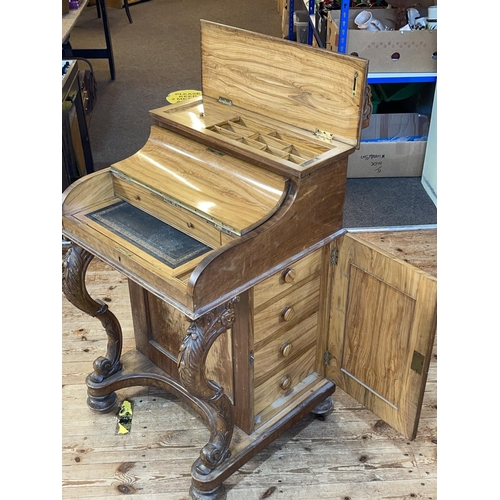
[[381, 332]]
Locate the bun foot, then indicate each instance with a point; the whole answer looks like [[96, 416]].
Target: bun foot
[[218, 493], [324, 408], [102, 404]]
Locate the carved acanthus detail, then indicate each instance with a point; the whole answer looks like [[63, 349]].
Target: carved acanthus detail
[[367, 107], [201, 334]]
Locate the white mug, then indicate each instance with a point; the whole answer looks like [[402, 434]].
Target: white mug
[[365, 21], [412, 14], [432, 18]]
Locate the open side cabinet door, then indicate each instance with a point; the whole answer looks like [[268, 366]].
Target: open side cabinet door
[[381, 331]]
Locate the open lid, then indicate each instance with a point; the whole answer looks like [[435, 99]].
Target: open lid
[[310, 88]]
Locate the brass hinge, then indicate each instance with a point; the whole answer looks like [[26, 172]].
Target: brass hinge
[[225, 100], [251, 358], [334, 256], [417, 362], [326, 358], [324, 136]]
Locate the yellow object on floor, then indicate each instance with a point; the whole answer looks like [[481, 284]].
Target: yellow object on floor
[[124, 418]]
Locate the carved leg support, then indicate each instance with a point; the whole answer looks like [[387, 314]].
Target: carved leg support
[[75, 266], [191, 364]]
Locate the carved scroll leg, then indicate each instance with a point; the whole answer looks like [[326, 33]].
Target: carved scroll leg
[[191, 363], [75, 266]]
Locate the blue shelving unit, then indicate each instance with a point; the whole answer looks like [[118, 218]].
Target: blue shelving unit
[[373, 78], [291, 10]]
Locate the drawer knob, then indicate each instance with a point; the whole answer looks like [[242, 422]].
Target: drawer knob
[[289, 275], [288, 313], [286, 349], [285, 383], [190, 224]]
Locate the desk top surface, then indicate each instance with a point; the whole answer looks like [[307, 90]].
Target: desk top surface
[[69, 19]]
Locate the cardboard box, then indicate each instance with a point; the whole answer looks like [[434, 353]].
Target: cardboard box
[[332, 34], [387, 51], [285, 18], [393, 145]]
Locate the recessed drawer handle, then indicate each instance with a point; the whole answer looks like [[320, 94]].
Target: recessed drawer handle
[[288, 313], [289, 275], [286, 349], [285, 383]]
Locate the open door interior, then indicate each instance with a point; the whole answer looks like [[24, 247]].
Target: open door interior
[[381, 331]]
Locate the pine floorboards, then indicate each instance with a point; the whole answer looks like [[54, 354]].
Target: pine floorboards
[[351, 455]]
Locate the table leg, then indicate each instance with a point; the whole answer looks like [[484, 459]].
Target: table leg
[[75, 266], [69, 53], [107, 37], [191, 364]]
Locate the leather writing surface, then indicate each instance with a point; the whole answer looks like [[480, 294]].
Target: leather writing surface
[[164, 242]]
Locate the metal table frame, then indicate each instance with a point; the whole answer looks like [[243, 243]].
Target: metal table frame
[[69, 52]]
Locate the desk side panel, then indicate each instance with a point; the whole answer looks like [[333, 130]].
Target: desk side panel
[[312, 211]]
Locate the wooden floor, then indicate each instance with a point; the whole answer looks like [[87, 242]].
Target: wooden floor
[[351, 455]]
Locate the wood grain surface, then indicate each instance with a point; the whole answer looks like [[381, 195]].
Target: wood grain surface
[[417, 247], [383, 315], [352, 453], [296, 152], [212, 185], [292, 82]]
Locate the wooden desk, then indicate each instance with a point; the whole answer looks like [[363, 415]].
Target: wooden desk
[[69, 20], [249, 300]]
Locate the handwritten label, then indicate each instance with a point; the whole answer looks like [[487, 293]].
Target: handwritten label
[[371, 157], [376, 162]]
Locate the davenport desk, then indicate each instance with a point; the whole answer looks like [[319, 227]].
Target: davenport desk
[[249, 299]]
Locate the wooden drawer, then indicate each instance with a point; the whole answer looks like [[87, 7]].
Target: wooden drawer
[[284, 348], [284, 380], [286, 279], [177, 217], [286, 311]]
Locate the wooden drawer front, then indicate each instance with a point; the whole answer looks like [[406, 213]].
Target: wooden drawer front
[[284, 380], [286, 311], [286, 279], [284, 348], [177, 217]]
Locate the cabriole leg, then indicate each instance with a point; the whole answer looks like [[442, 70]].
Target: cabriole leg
[[74, 268]]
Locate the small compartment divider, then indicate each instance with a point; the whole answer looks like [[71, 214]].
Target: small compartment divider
[[254, 144], [269, 140]]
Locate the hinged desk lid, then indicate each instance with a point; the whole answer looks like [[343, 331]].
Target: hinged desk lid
[[287, 81], [230, 193]]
